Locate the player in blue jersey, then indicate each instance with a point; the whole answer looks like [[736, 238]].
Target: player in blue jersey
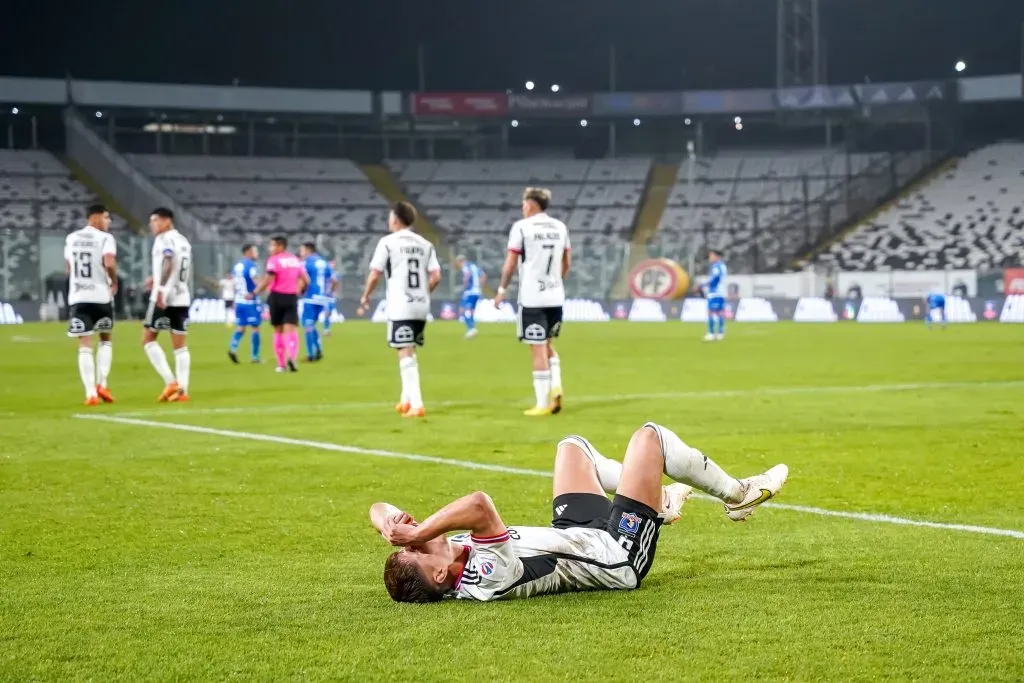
[[318, 296], [248, 311], [472, 287], [332, 303], [715, 293], [936, 302]]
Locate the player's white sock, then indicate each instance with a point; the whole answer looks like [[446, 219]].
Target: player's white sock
[[608, 471], [182, 367], [104, 359], [87, 371], [555, 363], [690, 466], [159, 362], [405, 383], [410, 369], [542, 387]]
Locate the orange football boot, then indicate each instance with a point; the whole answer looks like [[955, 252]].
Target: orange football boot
[[105, 395], [168, 391]]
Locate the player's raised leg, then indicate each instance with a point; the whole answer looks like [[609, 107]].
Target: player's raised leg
[[692, 467]]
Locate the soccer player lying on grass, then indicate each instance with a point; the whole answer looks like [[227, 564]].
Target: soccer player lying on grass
[[592, 544]]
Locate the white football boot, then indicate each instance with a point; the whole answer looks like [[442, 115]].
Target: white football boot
[[709, 337], [757, 490], [672, 498]]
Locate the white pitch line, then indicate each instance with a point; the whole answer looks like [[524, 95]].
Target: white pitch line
[[608, 398], [468, 464]]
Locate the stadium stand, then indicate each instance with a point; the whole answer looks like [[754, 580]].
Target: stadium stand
[[969, 216], [38, 192]]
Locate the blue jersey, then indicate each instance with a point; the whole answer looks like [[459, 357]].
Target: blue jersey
[[936, 301], [244, 274], [716, 280], [320, 278], [471, 279]]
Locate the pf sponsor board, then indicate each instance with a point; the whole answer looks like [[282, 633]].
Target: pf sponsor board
[[1013, 281], [459, 104], [659, 279], [549, 105]]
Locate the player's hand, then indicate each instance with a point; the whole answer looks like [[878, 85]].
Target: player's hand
[[160, 303], [401, 517], [400, 535], [149, 284], [499, 299], [113, 288]]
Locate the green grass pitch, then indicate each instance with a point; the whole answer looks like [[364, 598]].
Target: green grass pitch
[[130, 551]]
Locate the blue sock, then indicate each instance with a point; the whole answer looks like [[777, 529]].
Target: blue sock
[[236, 338], [255, 343], [316, 339], [309, 341], [721, 324], [327, 321], [711, 323]]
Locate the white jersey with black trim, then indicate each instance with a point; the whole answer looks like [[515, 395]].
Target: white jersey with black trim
[[529, 561], [88, 282], [540, 241], [172, 243], [406, 259]]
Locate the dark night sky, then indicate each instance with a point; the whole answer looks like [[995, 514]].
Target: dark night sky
[[493, 45]]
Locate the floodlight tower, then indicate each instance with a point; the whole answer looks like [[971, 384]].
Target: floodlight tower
[[799, 57]]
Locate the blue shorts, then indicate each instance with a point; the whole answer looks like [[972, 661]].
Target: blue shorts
[[717, 304], [249, 313], [311, 313], [469, 301]]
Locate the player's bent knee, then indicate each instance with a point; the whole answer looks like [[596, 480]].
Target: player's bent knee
[[646, 438]]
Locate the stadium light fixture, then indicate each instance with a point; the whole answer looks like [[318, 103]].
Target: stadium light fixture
[[99, 114], [739, 126], [738, 120], [555, 87], [14, 110], [583, 123], [687, 121], [515, 123], [529, 85], [636, 122], [960, 66]]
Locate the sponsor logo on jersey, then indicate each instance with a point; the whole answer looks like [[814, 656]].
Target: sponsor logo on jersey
[[629, 523], [487, 568]]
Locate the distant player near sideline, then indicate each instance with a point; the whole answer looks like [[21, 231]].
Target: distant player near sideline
[[318, 295], [169, 303], [539, 244], [936, 302], [473, 280], [332, 303], [90, 262], [715, 294], [410, 264], [248, 312], [592, 544], [227, 293], [286, 278]]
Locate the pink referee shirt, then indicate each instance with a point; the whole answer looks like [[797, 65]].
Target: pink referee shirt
[[286, 269]]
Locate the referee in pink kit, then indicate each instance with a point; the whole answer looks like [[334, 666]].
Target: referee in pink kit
[[286, 279]]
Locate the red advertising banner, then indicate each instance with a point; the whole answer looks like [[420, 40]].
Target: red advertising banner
[[459, 104], [1013, 281]]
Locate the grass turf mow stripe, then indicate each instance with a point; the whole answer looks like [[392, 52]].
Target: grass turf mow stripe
[[468, 464]]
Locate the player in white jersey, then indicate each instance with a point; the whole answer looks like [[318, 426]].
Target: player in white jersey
[[409, 261], [169, 304], [90, 261], [593, 543], [540, 245], [227, 294]]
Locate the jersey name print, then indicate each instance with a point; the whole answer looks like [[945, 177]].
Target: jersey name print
[[173, 244], [407, 260], [540, 241], [88, 281]]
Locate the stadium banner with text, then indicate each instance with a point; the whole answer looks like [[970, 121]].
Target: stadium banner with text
[[728, 101], [553, 105], [750, 309], [1013, 281], [459, 104], [638, 104]]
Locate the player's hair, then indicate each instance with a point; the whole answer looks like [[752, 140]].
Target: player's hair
[[246, 247], [405, 213], [541, 196], [162, 212], [716, 252], [309, 245], [94, 209], [406, 583], [280, 240]]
